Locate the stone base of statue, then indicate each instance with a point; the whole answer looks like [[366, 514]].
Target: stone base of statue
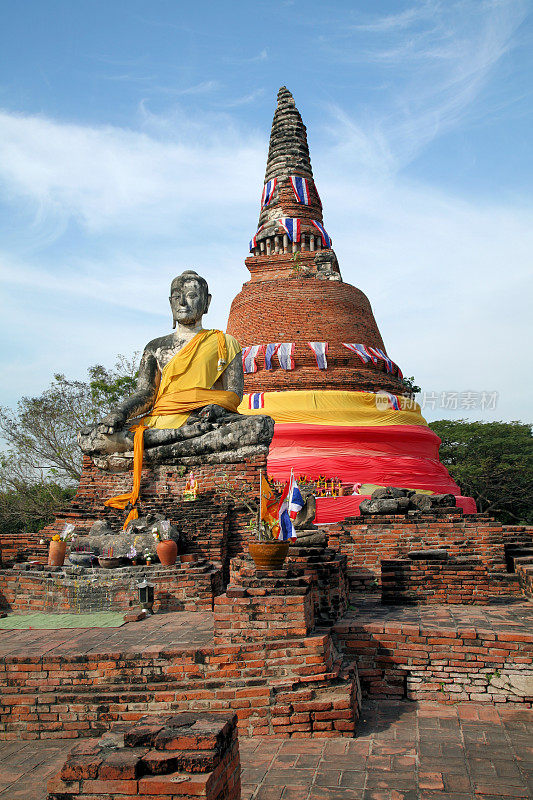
[[213, 525]]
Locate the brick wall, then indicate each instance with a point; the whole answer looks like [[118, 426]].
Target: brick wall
[[190, 586], [443, 580], [23, 547], [168, 756], [438, 663], [367, 540], [327, 311], [211, 526]]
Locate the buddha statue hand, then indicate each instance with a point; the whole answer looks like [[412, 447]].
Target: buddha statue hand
[[113, 422], [214, 413]]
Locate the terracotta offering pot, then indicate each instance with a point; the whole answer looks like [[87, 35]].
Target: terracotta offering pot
[[167, 551], [268, 555], [109, 562], [56, 554]]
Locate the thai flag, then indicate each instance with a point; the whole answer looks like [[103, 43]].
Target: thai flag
[[380, 354], [284, 353], [361, 351], [300, 188], [286, 528], [256, 400], [326, 241], [295, 499], [393, 401], [400, 373], [249, 354], [270, 351], [292, 227], [253, 242], [268, 192], [320, 349]]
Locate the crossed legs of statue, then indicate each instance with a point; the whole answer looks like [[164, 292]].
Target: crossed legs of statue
[[212, 431]]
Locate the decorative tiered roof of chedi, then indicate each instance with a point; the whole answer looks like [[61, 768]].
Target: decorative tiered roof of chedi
[[295, 292]]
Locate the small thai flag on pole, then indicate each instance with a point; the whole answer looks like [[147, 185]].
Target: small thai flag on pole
[[284, 353], [268, 192], [249, 354], [292, 227], [270, 351], [300, 188], [326, 240], [380, 354], [296, 501], [286, 527], [256, 400], [320, 349]]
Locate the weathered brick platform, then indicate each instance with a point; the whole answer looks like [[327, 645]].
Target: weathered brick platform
[[427, 577], [190, 585], [267, 660], [170, 756], [210, 525], [366, 541], [446, 653]]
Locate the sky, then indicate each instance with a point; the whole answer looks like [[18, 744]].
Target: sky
[[133, 143]]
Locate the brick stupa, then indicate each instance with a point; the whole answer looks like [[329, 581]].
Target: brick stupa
[[351, 417]]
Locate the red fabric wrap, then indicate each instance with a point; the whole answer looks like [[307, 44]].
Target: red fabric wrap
[[398, 455]]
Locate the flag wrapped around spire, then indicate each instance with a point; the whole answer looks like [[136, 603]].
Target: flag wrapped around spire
[[253, 240], [380, 354], [292, 227], [268, 192], [326, 239], [300, 187]]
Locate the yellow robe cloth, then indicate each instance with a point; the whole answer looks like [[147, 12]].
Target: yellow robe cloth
[[186, 384], [335, 407]]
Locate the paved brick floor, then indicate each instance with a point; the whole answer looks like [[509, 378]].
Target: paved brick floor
[[188, 629], [513, 616], [402, 751], [180, 629]]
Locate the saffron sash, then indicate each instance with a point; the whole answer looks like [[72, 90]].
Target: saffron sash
[[185, 385]]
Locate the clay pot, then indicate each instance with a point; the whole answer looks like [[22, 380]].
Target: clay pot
[[268, 555], [56, 554], [167, 552], [109, 562]]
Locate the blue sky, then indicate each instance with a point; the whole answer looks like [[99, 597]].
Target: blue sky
[[133, 140]]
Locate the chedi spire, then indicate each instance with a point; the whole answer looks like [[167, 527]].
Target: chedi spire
[[289, 192], [288, 152]]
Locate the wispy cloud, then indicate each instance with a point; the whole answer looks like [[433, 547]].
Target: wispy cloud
[[438, 58]]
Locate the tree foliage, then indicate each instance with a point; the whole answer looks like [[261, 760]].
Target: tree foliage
[[493, 463], [42, 460]]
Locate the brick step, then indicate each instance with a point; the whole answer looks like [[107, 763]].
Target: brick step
[[93, 710], [521, 546], [362, 581]]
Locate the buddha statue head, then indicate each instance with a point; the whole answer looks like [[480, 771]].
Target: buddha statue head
[[189, 298]]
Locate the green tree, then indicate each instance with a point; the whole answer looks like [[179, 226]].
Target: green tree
[[42, 460], [493, 463]]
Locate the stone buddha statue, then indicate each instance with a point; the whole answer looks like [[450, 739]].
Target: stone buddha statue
[[184, 409]]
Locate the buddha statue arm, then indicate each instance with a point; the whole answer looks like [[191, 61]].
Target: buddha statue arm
[[233, 377], [140, 401]]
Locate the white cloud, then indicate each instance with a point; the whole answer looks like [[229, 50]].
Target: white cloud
[[438, 58]]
